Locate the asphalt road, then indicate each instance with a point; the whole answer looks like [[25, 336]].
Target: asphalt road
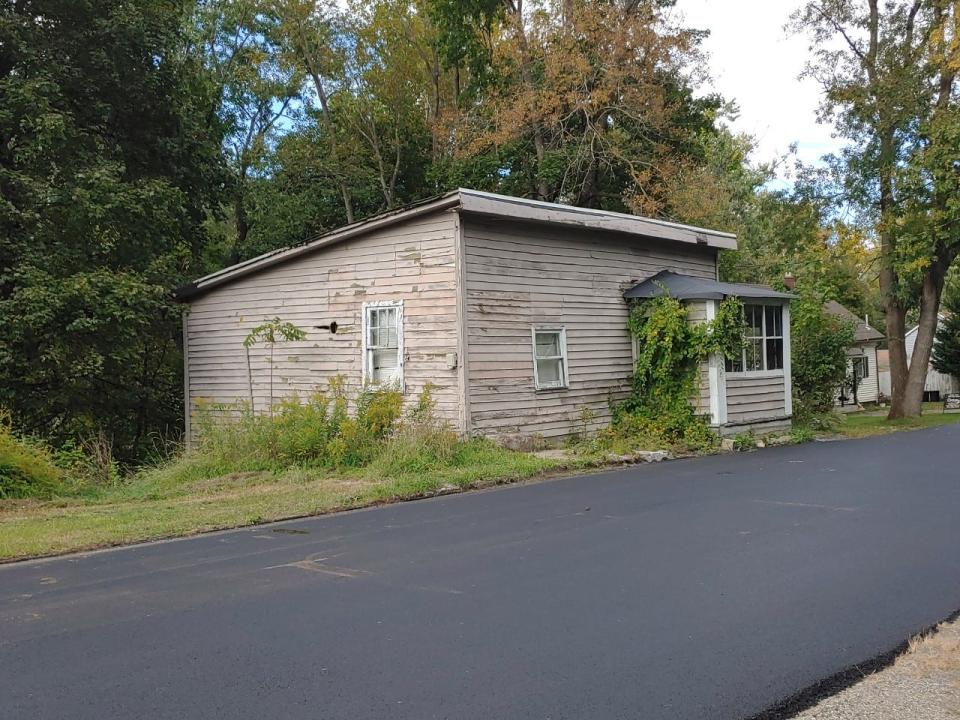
[[707, 588]]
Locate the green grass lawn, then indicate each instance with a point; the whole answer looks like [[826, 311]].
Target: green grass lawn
[[863, 424], [196, 493], [183, 499]]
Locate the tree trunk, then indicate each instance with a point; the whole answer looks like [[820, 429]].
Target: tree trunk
[[912, 404]]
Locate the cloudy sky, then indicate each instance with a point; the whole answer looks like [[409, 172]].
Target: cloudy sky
[[756, 62]]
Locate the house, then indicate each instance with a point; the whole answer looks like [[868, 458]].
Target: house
[[937, 385], [513, 310], [862, 367]]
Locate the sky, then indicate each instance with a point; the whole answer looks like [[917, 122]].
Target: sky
[[756, 62]]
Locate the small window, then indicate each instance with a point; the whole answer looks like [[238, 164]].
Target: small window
[[763, 336], [861, 367], [383, 343], [549, 358]]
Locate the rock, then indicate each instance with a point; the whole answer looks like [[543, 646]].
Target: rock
[[553, 454], [653, 455], [727, 444]]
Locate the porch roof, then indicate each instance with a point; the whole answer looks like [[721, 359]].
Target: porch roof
[[687, 287]]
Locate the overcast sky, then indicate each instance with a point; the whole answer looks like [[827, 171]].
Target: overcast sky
[[754, 61]]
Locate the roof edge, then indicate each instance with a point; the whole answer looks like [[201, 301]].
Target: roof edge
[[206, 283], [519, 208], [476, 202]]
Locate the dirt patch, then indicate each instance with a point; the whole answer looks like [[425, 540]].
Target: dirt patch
[[922, 684]]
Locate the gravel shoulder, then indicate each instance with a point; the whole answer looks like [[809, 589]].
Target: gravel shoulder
[[922, 684]]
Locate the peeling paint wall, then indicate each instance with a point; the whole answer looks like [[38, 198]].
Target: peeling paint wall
[[413, 261]]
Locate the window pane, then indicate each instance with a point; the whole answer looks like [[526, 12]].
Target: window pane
[[383, 365], [548, 344], [735, 365], [775, 354], [550, 372], [754, 354], [754, 319], [774, 320]]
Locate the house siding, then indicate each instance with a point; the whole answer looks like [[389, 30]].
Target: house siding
[[697, 313], [935, 381], [413, 261], [755, 397], [519, 275], [869, 388]]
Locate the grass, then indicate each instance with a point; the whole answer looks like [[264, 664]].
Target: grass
[[864, 424], [231, 483], [187, 497]]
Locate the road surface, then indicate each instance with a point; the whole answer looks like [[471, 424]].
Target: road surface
[[707, 588]]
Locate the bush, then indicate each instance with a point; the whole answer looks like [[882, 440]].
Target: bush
[[819, 343], [318, 432], [27, 469]]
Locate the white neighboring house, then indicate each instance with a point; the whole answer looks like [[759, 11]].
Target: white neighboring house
[[937, 384], [861, 358]]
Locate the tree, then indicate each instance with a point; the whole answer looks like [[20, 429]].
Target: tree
[[946, 350], [585, 102], [819, 343], [109, 166], [891, 89], [258, 92]]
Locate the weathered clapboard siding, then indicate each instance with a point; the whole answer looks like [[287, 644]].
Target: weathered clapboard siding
[[697, 313], [869, 388], [413, 261], [755, 397], [518, 275]]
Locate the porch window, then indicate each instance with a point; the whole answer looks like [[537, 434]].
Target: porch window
[[383, 343], [763, 349], [549, 358]]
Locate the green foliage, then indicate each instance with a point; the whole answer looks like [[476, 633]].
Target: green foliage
[[669, 351], [318, 432], [802, 434], [744, 442], [272, 332], [27, 469], [946, 351], [819, 342], [110, 162]]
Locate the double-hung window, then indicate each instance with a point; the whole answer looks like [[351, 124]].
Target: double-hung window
[[549, 358], [763, 347], [383, 343]]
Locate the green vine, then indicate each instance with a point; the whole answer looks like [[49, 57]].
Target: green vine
[[670, 350]]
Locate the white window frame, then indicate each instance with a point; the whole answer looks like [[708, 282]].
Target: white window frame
[[367, 351], [564, 367], [783, 337]]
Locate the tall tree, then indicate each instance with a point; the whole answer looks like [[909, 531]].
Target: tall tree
[[889, 72], [109, 163], [582, 102], [258, 93]]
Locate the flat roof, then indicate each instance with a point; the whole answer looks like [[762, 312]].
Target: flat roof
[[478, 203], [687, 287]]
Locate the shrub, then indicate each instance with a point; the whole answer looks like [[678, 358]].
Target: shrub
[[819, 344], [317, 432], [27, 468]]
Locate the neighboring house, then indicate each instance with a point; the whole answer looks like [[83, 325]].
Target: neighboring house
[[937, 385], [512, 309], [862, 367]]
